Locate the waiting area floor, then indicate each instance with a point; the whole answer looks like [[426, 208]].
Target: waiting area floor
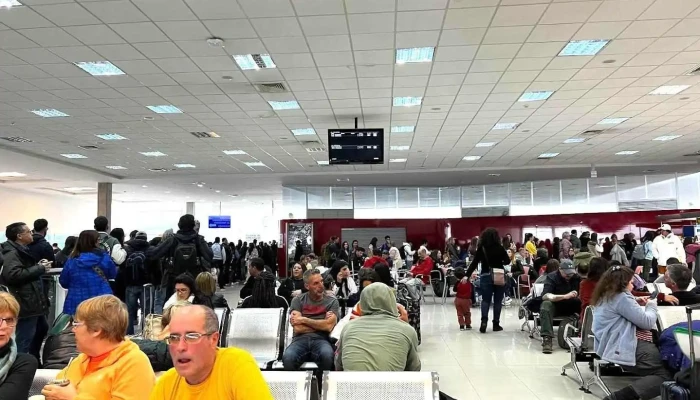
[[491, 366]]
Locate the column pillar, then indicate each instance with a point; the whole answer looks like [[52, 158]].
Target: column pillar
[[104, 199], [190, 207]]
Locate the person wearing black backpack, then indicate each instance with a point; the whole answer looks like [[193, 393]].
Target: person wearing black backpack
[[184, 252], [136, 274]]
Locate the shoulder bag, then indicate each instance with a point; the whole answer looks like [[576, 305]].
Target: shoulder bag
[[497, 274]]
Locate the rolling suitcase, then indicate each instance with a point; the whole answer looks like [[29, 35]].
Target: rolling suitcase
[[148, 297], [674, 390]]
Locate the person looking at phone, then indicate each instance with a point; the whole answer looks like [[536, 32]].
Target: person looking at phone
[[21, 273], [559, 299], [677, 278]]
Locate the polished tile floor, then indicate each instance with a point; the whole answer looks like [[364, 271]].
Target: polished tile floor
[[491, 366]]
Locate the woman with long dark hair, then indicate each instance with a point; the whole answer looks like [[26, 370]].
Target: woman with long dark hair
[[264, 294], [345, 252], [490, 254], [622, 327]]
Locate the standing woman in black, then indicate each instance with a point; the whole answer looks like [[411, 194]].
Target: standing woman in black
[[491, 254]]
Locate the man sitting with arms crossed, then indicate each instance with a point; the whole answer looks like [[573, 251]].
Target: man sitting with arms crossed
[[560, 299], [203, 371], [313, 317], [677, 278]]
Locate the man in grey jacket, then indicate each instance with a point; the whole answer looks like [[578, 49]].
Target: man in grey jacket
[[108, 243]]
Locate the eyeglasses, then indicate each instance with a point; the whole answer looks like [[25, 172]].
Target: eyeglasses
[[190, 338], [76, 324], [9, 322]]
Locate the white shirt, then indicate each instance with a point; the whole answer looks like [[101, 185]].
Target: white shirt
[[667, 247], [173, 299]]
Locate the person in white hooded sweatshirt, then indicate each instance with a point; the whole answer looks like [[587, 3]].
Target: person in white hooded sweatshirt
[[665, 246], [409, 254]]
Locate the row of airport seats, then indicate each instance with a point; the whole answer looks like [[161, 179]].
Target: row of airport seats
[[336, 385]]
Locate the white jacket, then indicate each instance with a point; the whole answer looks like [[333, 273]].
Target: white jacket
[[218, 251], [664, 248], [408, 251]]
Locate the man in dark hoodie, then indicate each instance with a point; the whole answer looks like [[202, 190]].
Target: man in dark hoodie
[[21, 274], [255, 267], [40, 249], [184, 252], [136, 274]]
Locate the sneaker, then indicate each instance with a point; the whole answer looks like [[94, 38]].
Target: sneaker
[[497, 327], [468, 328], [546, 345], [482, 328], [461, 327]]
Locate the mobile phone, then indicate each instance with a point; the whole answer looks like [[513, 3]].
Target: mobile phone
[[653, 295], [60, 382]]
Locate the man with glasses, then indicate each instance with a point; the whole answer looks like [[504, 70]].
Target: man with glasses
[[21, 274], [203, 371]]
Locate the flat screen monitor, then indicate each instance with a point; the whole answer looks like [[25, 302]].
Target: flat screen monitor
[[355, 146], [219, 221]]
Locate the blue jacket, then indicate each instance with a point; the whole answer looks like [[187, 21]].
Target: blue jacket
[[671, 351], [82, 281], [615, 325]]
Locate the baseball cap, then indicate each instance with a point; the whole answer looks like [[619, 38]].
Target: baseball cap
[[666, 227], [141, 235], [567, 267]]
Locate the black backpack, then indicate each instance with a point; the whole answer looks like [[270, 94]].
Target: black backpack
[[562, 334], [402, 252], [135, 272], [185, 259]]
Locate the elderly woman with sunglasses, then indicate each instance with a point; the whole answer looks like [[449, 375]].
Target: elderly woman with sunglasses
[[16, 369], [109, 366]]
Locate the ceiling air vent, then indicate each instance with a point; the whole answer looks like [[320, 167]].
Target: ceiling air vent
[[89, 147], [315, 149], [694, 71], [17, 139], [593, 132], [205, 135], [696, 154], [160, 169], [277, 87]]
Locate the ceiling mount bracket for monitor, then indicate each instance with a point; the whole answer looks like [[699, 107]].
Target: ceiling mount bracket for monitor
[[355, 122]]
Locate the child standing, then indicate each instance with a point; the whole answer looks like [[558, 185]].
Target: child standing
[[463, 300]]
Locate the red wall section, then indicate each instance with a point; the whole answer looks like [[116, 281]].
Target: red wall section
[[464, 228]]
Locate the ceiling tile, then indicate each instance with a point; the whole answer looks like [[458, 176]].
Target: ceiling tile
[[371, 23], [468, 18], [419, 20], [324, 25], [374, 41], [117, 11], [66, 14], [328, 43], [267, 8], [165, 10], [189, 30], [215, 9], [518, 15], [140, 32], [94, 34], [561, 13], [277, 27], [369, 6], [318, 7]]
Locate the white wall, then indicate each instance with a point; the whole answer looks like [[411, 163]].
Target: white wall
[[246, 219]]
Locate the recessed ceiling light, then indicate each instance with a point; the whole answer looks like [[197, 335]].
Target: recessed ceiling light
[[506, 125], [233, 195], [402, 129], [205, 135], [255, 164], [548, 155], [144, 186], [78, 188], [200, 185], [166, 109], [111, 136], [407, 101], [153, 154], [254, 61], [49, 113], [612, 121], [17, 139], [74, 156], [218, 191], [342, 179], [115, 167], [471, 158], [671, 89], [414, 55], [399, 148], [303, 131], [485, 144], [494, 175], [9, 3], [284, 105], [99, 68], [398, 160], [184, 166], [11, 174], [667, 138], [575, 140], [234, 152], [583, 47], [535, 96], [322, 162], [626, 152]]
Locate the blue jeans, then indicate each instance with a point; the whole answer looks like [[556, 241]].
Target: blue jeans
[[159, 301], [133, 298], [30, 333], [309, 347], [490, 291]]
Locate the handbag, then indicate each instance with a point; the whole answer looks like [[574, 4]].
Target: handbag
[[498, 275]]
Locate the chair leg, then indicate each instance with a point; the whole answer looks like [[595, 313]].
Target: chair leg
[[596, 379], [444, 292]]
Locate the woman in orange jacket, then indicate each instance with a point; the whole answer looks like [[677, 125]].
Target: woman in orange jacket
[[109, 366]]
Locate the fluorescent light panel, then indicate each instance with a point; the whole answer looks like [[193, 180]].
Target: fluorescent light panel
[[115, 167], [73, 156], [506, 125], [399, 148], [11, 174], [402, 129], [153, 154], [667, 138], [398, 160], [255, 164], [583, 47], [99, 68], [111, 136], [49, 113], [234, 152], [671, 89], [471, 158], [78, 189], [485, 144], [612, 121], [303, 131], [407, 101], [414, 55], [535, 96], [249, 62], [575, 140], [322, 162], [284, 105], [184, 166], [626, 152], [548, 155], [9, 3], [165, 109]]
